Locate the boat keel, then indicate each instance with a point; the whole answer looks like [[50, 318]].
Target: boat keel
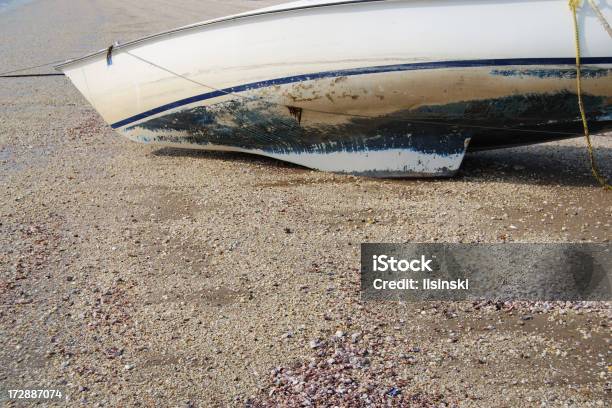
[[390, 163]]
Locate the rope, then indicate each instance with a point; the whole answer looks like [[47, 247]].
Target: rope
[[574, 5], [32, 67], [601, 17], [31, 75]]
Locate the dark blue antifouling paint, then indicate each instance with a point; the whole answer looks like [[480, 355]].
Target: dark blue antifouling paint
[[363, 71]]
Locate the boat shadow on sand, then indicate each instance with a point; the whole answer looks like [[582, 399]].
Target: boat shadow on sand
[[545, 164]]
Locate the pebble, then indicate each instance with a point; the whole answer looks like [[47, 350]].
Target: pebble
[[316, 343]]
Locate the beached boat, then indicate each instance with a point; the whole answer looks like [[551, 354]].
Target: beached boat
[[373, 87]]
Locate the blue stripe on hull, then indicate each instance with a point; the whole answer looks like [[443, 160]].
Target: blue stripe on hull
[[362, 71]]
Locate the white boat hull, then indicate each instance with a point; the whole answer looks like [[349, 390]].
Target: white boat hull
[[380, 88]]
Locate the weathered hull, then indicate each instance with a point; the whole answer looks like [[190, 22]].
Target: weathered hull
[[402, 111]]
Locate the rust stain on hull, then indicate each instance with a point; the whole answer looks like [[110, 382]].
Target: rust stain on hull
[[296, 113]]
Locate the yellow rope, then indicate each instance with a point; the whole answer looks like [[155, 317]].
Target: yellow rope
[[601, 17], [574, 5]]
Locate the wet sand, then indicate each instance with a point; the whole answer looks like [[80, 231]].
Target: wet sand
[[135, 275]]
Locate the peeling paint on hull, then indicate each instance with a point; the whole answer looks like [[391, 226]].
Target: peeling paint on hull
[[376, 147], [561, 73], [427, 141]]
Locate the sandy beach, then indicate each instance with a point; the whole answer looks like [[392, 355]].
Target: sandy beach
[[133, 275]]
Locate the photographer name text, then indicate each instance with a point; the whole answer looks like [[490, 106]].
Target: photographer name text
[[385, 263]]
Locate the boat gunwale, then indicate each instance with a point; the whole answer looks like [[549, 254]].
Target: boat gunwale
[[234, 17]]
